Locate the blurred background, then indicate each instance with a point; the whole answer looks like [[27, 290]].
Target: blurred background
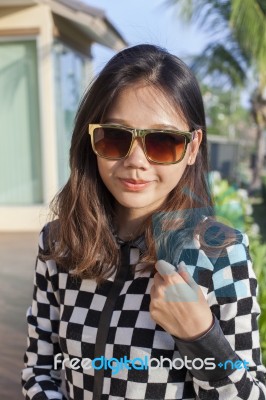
[[49, 52]]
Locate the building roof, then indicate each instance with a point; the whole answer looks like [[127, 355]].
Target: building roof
[[92, 21]]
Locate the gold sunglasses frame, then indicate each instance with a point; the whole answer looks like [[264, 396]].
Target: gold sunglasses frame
[[141, 133]]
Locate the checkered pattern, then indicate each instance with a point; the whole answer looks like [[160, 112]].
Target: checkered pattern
[[65, 314]]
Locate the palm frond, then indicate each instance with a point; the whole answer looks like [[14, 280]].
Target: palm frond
[[262, 5], [248, 21], [240, 24], [202, 12], [222, 65]]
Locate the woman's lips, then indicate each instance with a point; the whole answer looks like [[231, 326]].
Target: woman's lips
[[134, 185]]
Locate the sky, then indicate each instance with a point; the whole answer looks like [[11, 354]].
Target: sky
[[148, 21]]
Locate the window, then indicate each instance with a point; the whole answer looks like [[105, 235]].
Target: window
[[20, 151], [71, 78]]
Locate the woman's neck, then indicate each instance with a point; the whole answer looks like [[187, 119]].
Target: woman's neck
[[129, 222]]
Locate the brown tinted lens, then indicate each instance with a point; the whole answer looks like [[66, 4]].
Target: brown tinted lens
[[165, 147], [112, 142]]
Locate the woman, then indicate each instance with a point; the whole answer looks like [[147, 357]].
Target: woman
[[121, 324]]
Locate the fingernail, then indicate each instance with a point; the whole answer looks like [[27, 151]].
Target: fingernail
[[164, 268], [182, 266]]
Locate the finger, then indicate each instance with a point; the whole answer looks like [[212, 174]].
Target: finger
[[164, 268], [183, 272], [182, 287], [157, 279], [156, 292], [152, 291], [180, 293]]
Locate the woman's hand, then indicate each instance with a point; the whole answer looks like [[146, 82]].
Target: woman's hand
[[178, 304]]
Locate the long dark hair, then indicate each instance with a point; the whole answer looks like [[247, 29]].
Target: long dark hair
[[84, 209]]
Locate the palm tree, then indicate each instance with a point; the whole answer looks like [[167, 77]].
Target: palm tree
[[235, 53]]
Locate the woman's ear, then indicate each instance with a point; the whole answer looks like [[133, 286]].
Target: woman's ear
[[194, 146]]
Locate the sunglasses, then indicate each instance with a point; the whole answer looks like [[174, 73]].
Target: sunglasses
[[160, 146]]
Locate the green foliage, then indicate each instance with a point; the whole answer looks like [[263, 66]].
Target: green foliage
[[235, 54], [225, 65], [225, 115], [234, 208], [248, 19], [263, 182], [237, 41], [231, 205]]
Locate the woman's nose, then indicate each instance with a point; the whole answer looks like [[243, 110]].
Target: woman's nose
[[136, 158]]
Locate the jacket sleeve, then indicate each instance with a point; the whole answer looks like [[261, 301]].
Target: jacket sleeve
[[40, 380], [233, 340]]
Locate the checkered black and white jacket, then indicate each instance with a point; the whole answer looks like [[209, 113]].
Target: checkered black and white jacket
[[65, 317]]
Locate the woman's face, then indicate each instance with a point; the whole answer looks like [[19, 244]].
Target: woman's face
[[135, 182]]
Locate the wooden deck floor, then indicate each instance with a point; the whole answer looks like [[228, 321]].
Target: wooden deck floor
[[17, 260]]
